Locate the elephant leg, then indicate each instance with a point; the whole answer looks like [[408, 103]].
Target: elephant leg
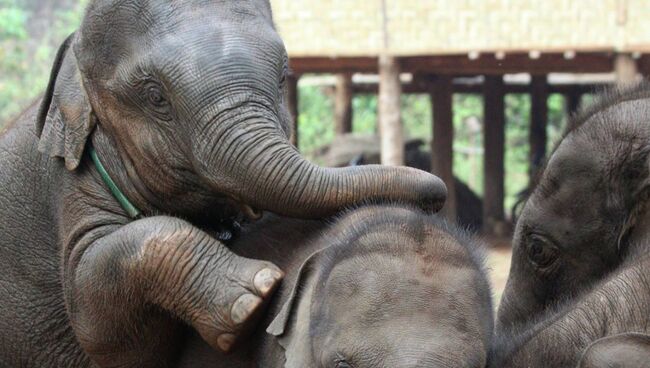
[[628, 350], [125, 283]]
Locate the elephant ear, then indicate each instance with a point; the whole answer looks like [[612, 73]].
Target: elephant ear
[[65, 119], [279, 325], [291, 336]]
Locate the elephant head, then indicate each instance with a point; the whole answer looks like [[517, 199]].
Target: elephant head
[[390, 287], [581, 219], [185, 101]]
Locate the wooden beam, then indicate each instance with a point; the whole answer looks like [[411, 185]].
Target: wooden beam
[[390, 119], [601, 62], [538, 120], [334, 65], [343, 104], [292, 102], [442, 143], [511, 63], [408, 88], [494, 141]]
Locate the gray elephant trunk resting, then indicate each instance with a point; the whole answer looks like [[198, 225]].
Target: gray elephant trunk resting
[[268, 173]]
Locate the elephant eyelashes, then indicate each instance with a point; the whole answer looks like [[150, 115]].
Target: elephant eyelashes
[[540, 252]]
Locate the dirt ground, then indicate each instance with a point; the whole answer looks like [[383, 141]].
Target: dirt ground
[[498, 263]]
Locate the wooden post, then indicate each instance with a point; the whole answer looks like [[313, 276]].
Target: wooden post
[[292, 101], [626, 69], [343, 104], [493, 168], [538, 119], [443, 139], [390, 120], [572, 104]]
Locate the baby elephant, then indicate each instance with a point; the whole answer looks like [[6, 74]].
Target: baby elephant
[[380, 287], [581, 250]]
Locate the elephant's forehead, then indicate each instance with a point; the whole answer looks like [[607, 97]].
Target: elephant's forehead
[[170, 12], [375, 287], [210, 40], [402, 314]]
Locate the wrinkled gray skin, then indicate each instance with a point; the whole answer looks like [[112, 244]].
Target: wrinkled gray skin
[[184, 102], [631, 350], [363, 149], [582, 245], [390, 287]]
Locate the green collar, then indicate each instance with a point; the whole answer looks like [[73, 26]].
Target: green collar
[[130, 209]]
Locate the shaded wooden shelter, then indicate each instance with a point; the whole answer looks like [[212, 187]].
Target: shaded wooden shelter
[[441, 43]]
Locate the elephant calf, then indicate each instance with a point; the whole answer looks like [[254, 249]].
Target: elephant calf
[[381, 287], [582, 246], [161, 120]]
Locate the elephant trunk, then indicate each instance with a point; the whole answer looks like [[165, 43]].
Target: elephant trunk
[[264, 171]]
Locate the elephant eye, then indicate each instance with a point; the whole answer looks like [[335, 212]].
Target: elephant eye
[[541, 252], [155, 96]]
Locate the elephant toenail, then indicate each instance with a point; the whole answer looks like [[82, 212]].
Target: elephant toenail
[[266, 279], [243, 307], [226, 341]]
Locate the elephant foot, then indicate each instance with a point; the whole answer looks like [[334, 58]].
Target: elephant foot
[[233, 313]]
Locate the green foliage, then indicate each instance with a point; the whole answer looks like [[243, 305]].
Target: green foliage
[[317, 116], [364, 118], [12, 23], [27, 51], [316, 127], [468, 140]]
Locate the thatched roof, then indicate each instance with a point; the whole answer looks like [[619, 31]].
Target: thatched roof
[[347, 28]]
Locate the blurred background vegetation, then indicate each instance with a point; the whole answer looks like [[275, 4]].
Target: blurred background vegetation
[[30, 33], [32, 30]]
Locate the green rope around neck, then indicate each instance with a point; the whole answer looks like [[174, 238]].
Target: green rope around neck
[[130, 209]]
